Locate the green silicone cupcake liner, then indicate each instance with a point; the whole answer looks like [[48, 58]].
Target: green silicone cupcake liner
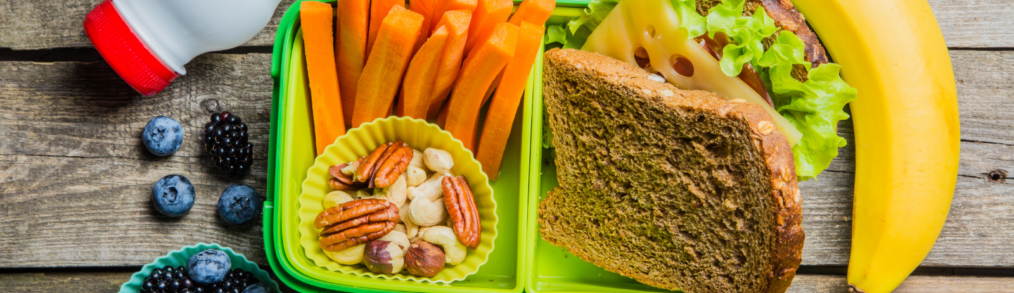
[[180, 257]]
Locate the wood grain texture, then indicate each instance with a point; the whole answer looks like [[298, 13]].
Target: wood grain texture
[[32, 25], [29, 25], [62, 282], [914, 284], [95, 282], [75, 180]]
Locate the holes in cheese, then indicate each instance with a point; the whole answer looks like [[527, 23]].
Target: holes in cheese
[[653, 25], [682, 65]]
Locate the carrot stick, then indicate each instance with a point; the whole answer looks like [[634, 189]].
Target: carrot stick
[[482, 66], [378, 10], [444, 6], [324, 94], [425, 8], [488, 13], [417, 88], [457, 22], [509, 92], [386, 66], [353, 33], [534, 11]]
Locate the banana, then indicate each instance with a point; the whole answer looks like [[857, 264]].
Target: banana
[[906, 129]]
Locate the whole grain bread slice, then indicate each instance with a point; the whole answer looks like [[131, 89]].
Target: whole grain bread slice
[[675, 189]]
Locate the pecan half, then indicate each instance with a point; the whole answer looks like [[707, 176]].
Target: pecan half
[[348, 211], [393, 167], [355, 236], [341, 181], [383, 158], [389, 214], [365, 171], [355, 222], [461, 207]]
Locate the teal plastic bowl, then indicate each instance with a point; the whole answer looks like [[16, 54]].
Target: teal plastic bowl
[[180, 257]]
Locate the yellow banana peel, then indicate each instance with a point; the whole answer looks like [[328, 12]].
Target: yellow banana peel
[[906, 129]]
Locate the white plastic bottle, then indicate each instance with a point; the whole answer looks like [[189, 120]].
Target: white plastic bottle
[[147, 42]]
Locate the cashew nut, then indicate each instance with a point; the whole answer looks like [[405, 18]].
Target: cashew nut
[[397, 238], [349, 256], [335, 198], [428, 213], [401, 228], [438, 160], [411, 229], [398, 192], [415, 176], [351, 168], [444, 237], [417, 159], [363, 194], [431, 189]]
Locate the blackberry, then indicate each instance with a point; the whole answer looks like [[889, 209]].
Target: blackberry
[[226, 139]]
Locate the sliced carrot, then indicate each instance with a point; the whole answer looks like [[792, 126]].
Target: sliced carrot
[[424, 8], [324, 94], [417, 88], [456, 22], [353, 33], [509, 92], [482, 67], [386, 66], [444, 6], [488, 13], [534, 11], [378, 10]]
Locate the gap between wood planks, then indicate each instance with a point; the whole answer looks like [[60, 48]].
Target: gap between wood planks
[[89, 54]]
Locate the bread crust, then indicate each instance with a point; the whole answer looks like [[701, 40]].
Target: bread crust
[[771, 144]]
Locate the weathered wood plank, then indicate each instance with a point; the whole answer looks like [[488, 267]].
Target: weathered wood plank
[[47, 24], [31, 25], [96, 282], [914, 284], [62, 282], [75, 180]]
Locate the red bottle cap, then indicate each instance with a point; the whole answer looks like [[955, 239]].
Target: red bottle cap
[[125, 52]]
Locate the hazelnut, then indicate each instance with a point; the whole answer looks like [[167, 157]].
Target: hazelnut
[[424, 259], [384, 257]]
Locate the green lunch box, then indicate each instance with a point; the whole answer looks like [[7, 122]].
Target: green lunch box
[[521, 259]]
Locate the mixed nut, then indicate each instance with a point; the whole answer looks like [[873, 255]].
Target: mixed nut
[[418, 216]]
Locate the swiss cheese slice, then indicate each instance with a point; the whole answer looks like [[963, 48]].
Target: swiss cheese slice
[[654, 26]]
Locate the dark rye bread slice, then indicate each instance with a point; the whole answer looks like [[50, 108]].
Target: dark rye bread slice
[[676, 189]]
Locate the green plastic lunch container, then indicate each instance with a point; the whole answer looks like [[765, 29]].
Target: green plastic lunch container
[[521, 260]]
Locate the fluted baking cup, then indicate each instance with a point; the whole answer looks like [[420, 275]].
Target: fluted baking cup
[[180, 257], [419, 135]]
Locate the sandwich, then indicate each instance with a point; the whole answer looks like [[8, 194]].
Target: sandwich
[[680, 131]]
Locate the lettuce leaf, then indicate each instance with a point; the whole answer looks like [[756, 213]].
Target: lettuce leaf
[[746, 34], [575, 33], [814, 107], [695, 24]]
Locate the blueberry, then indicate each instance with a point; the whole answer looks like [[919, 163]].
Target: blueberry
[[257, 288], [209, 266], [173, 196], [239, 204], [162, 136]]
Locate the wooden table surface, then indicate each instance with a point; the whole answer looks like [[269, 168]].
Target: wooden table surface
[[75, 180]]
